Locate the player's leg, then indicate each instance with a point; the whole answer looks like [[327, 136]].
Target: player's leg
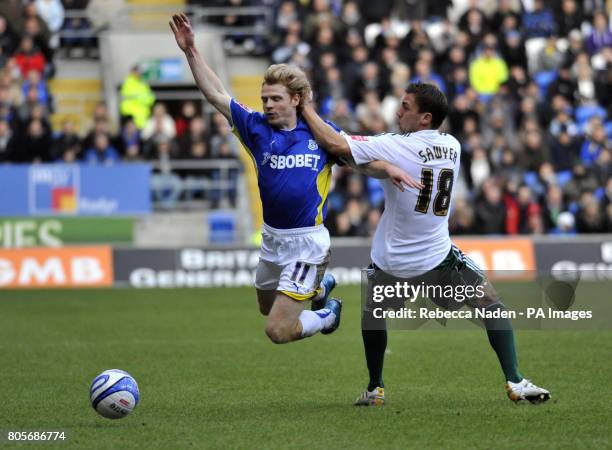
[[326, 286], [289, 320], [500, 333], [374, 335], [266, 282]]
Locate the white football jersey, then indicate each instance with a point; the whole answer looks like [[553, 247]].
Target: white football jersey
[[412, 236]]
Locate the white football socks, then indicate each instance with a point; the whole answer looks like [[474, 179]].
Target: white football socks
[[315, 321]]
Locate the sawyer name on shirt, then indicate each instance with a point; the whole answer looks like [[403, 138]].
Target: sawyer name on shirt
[[438, 153]]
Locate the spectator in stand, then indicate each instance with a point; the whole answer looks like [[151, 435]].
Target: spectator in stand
[[535, 151], [160, 122], [603, 167], [285, 15], [490, 210], [7, 142], [8, 39], [538, 23], [182, 122], [342, 115], [583, 180], [488, 71], [52, 12], [352, 18], [229, 176], [35, 144], [513, 49], [591, 218], [222, 136], [197, 132], [564, 85], [527, 208], [34, 79], [601, 36], [137, 98], [474, 22], [7, 103], [424, 73], [569, 17], [462, 218], [130, 144], [505, 9], [480, 169], [291, 45], [553, 206], [593, 145], [12, 10], [31, 108], [165, 184], [564, 148], [29, 57], [66, 140], [102, 153], [549, 58]]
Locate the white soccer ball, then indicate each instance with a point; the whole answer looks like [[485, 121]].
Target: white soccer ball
[[114, 394]]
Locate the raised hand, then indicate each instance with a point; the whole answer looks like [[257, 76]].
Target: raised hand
[[182, 30]]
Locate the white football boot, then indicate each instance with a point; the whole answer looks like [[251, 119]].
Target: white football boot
[[526, 390], [371, 398]]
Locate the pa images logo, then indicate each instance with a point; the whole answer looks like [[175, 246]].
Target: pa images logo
[[53, 190]]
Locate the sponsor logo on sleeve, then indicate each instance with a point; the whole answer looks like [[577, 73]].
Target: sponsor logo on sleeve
[[360, 138]]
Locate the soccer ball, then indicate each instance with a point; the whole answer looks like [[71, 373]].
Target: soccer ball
[[114, 394]]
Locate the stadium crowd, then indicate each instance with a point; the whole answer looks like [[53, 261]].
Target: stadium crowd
[[29, 37], [529, 86]]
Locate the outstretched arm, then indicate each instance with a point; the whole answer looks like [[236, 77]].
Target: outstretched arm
[[336, 144], [383, 169], [325, 135], [205, 78]]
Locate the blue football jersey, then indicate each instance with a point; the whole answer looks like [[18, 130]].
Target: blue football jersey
[[293, 172]]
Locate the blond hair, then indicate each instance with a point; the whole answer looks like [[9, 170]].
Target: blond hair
[[293, 78]]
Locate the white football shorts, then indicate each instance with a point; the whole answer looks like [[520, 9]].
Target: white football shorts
[[293, 261]]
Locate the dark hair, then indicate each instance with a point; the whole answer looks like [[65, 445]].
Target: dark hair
[[429, 99]]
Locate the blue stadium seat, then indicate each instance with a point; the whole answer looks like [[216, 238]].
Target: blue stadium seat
[[608, 127], [573, 207], [585, 112], [222, 227], [543, 80], [531, 179], [375, 191], [563, 177]]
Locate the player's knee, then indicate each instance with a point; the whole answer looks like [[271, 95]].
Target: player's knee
[[278, 334]]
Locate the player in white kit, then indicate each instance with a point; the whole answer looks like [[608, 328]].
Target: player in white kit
[[412, 239]]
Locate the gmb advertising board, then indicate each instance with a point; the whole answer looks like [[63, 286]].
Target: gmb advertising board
[[74, 189]]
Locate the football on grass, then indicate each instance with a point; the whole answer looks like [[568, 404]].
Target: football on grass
[[114, 394]]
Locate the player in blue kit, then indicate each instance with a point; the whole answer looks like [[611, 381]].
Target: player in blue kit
[[294, 176]]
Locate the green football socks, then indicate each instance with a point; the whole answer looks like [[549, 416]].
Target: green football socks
[[501, 338]]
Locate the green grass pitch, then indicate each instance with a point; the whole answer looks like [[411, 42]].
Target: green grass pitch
[[209, 378]]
